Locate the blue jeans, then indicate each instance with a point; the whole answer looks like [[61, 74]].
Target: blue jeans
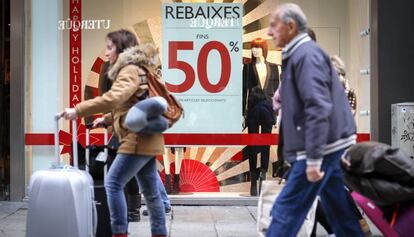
[[296, 198], [124, 167]]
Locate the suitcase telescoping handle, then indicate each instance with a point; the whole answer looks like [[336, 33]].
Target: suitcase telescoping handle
[[74, 140], [87, 152]]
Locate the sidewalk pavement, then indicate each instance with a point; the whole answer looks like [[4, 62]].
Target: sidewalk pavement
[[183, 221]]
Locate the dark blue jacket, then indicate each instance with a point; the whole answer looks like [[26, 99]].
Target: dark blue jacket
[[316, 115]]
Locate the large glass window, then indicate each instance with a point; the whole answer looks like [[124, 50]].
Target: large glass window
[[66, 43]]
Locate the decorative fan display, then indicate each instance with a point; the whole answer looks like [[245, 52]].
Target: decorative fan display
[[195, 177]]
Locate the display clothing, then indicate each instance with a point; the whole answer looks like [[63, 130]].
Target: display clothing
[[258, 112], [251, 80], [175, 180], [258, 120]]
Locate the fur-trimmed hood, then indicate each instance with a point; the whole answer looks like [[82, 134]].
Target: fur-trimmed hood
[[142, 55]]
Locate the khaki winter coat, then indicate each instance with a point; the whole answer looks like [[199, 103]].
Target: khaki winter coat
[[128, 86]]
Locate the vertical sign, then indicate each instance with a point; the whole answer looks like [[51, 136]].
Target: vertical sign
[[202, 65], [75, 53]]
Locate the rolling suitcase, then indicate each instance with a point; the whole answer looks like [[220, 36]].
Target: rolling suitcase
[[61, 199], [404, 224], [375, 214], [98, 170]]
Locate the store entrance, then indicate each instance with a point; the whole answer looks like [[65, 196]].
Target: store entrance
[[5, 100]]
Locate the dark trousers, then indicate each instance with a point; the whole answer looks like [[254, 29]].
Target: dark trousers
[[296, 198], [132, 188], [259, 119]]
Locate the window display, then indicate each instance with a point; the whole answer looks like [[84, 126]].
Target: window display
[[216, 59]]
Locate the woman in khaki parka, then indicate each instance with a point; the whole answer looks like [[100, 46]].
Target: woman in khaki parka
[[137, 151]]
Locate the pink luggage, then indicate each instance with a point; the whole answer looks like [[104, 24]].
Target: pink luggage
[[374, 214], [404, 217], [404, 224], [61, 199]]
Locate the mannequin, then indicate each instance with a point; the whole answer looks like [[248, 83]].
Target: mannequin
[[179, 155], [260, 81]]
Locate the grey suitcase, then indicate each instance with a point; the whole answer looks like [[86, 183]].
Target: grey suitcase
[[61, 199]]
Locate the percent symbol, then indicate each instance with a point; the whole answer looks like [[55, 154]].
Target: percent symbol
[[233, 45]]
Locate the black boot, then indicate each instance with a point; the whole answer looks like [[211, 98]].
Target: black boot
[[176, 184], [263, 174], [253, 183], [134, 204], [261, 178], [168, 183]]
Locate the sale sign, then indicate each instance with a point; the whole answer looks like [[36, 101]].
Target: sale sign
[[202, 65]]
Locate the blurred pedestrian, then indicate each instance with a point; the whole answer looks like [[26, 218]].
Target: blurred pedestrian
[[317, 127]]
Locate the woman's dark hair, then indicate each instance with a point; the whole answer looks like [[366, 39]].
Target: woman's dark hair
[[311, 34], [122, 39]]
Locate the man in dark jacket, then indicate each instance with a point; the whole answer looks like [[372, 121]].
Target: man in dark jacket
[[317, 126]]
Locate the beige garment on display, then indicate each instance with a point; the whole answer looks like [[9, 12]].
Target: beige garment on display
[[268, 195], [166, 159], [262, 73], [179, 155]]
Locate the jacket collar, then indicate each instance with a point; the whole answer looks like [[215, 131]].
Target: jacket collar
[[288, 50], [141, 55]]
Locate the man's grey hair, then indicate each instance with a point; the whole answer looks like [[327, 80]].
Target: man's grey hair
[[292, 12]]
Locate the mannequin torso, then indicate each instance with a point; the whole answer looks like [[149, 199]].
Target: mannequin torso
[[261, 71]]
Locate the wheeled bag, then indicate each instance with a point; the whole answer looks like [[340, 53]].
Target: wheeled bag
[[61, 198], [98, 171]]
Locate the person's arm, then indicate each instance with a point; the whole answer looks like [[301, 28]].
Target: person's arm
[[125, 85], [313, 83], [276, 102]]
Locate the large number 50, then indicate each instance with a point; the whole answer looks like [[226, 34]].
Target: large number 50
[[174, 63]]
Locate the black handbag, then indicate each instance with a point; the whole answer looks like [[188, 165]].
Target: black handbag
[[280, 169]]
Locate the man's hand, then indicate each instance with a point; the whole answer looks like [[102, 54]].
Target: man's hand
[[313, 173]]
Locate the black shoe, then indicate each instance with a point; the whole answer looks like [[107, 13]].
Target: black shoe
[[145, 213], [134, 216], [261, 178], [263, 174], [253, 188], [253, 184]]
